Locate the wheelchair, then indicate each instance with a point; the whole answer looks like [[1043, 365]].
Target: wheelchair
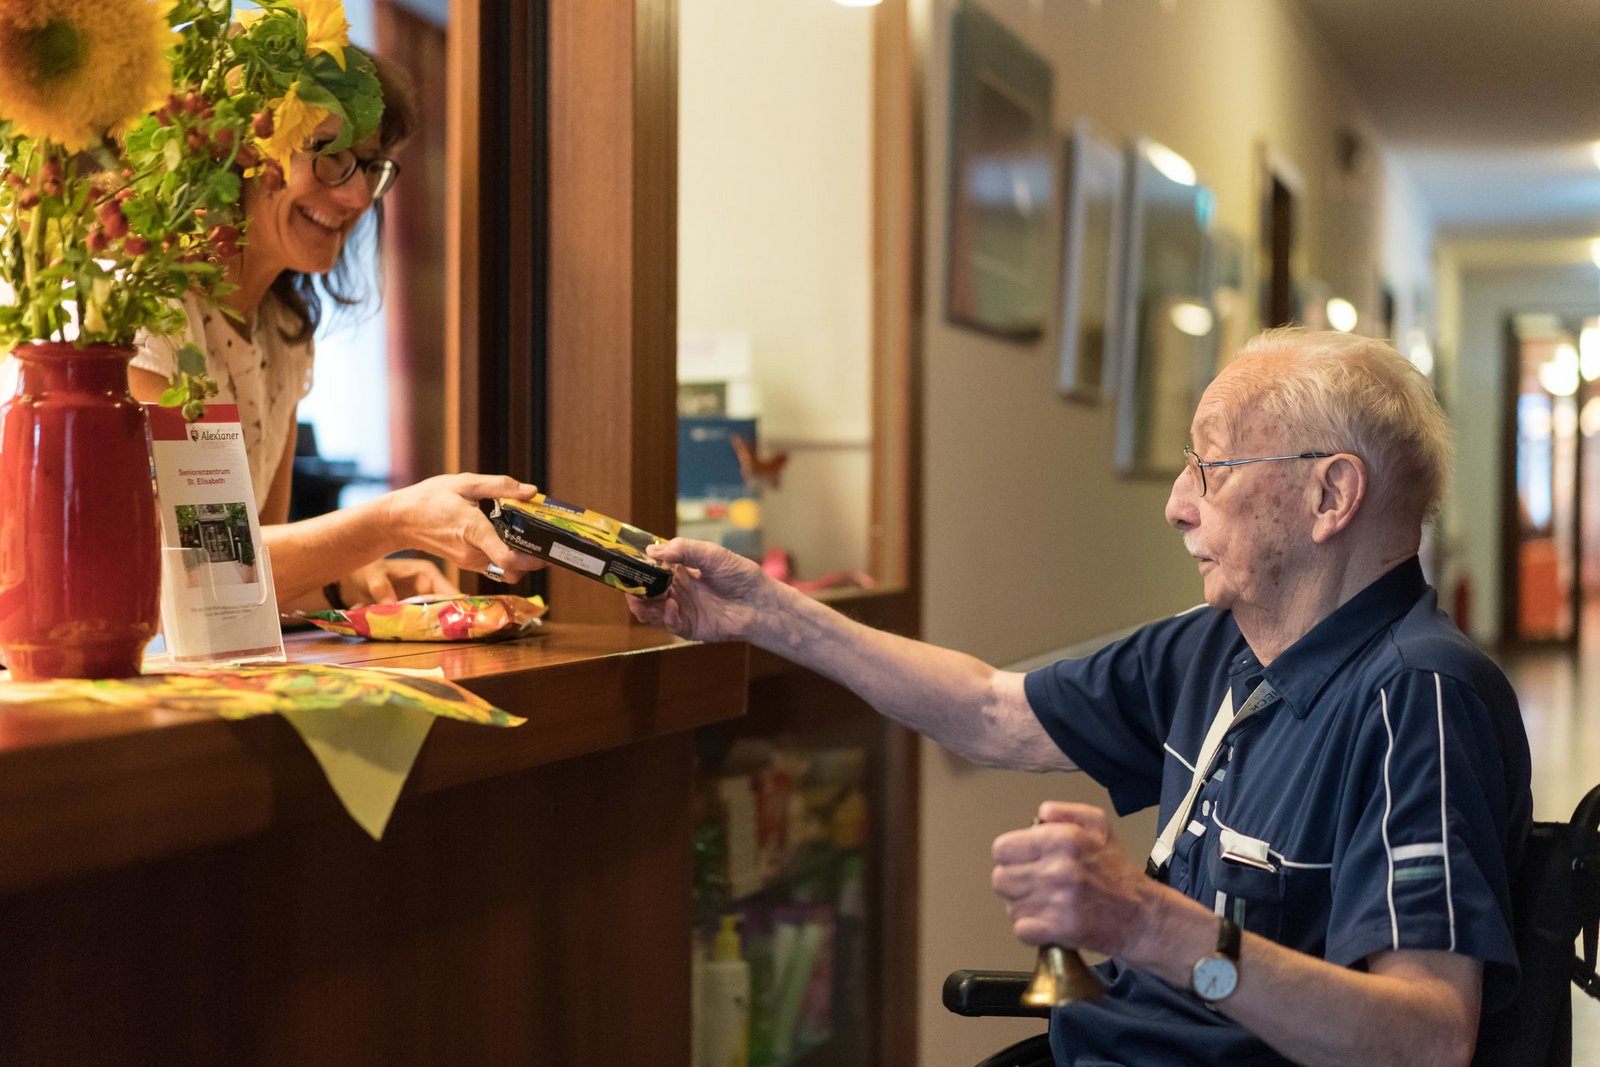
[[999, 993]]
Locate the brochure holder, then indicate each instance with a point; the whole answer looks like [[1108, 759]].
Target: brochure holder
[[211, 611], [217, 600]]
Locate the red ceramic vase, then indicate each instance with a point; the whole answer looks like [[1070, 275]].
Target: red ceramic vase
[[80, 560]]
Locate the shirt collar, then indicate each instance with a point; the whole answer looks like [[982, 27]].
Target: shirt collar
[[1301, 672]]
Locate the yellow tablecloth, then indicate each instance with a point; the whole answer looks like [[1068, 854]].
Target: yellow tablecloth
[[365, 727]]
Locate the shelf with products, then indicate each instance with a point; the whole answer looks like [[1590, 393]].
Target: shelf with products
[[802, 834], [780, 858]]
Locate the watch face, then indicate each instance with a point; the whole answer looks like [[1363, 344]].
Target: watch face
[[1214, 977]]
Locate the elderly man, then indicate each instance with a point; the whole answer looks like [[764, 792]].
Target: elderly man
[[1343, 779]]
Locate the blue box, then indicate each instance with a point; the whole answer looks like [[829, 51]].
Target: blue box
[[708, 466]]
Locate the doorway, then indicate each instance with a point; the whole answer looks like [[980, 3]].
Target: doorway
[[1551, 556]]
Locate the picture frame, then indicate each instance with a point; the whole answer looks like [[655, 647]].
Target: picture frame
[[1001, 180], [1092, 237], [1228, 275], [1166, 349]]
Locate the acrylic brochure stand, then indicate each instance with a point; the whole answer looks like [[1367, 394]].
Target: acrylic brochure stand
[[217, 600], [217, 612]]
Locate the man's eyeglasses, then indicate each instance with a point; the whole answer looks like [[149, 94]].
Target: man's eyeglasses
[[1197, 466], [333, 169]]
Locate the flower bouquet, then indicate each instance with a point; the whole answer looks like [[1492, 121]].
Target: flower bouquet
[[126, 130]]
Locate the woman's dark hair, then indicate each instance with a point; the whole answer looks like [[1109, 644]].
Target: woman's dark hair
[[345, 285]]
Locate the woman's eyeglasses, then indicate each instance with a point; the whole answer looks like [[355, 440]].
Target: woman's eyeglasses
[[334, 169]]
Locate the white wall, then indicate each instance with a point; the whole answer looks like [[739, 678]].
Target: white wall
[[774, 241], [1031, 541]]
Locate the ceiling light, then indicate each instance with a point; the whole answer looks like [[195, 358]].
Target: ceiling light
[[1420, 352], [1192, 319], [1168, 162], [1594, 251], [1589, 417], [1342, 314], [1559, 373], [1589, 353], [1594, 150], [858, 3]]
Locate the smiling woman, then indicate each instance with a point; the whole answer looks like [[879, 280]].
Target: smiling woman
[[328, 169]]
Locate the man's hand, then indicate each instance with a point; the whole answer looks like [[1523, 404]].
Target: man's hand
[[385, 581], [440, 515], [1066, 881], [715, 594]]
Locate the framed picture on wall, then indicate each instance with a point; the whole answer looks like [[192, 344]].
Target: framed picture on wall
[[1090, 260], [1168, 353], [1002, 180], [1227, 271]]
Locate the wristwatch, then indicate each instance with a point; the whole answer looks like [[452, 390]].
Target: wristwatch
[[1216, 976]]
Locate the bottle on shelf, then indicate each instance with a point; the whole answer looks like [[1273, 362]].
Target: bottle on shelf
[[722, 1037]]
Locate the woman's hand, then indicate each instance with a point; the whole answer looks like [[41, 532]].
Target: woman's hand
[[385, 581], [440, 515]]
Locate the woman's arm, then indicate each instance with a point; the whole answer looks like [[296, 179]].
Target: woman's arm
[[439, 515], [275, 508]]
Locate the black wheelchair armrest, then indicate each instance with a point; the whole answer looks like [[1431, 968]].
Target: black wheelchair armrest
[[992, 993]]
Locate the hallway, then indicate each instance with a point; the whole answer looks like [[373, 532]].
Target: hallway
[[1560, 695]]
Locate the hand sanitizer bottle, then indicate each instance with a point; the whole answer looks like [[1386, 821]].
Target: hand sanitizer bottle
[[724, 1002]]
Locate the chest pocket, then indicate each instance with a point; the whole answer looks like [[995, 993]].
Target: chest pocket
[[1251, 887]]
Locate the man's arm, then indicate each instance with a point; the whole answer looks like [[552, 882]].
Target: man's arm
[[958, 700], [1067, 881]]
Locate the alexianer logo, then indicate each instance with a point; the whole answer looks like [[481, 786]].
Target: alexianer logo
[[194, 433]]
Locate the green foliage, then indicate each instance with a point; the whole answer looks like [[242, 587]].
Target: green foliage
[[100, 245]]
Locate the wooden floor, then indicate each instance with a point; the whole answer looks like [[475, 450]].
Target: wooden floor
[[1560, 694]]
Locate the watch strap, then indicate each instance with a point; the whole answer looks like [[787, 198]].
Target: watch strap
[[1229, 935]]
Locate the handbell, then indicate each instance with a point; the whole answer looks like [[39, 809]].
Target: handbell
[[1060, 977]]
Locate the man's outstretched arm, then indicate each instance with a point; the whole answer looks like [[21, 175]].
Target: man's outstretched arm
[[956, 699]]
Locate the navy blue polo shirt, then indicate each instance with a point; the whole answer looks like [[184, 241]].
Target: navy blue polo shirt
[[1376, 803]]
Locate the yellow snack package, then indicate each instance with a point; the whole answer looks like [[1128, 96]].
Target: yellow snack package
[[430, 618]]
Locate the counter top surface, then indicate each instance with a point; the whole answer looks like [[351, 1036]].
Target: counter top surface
[[87, 791]]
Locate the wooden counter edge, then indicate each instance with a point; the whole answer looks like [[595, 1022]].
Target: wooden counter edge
[[144, 786]]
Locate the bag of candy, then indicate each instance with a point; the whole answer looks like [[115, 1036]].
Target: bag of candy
[[431, 618]]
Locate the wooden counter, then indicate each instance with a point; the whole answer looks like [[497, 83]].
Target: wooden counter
[[179, 888]]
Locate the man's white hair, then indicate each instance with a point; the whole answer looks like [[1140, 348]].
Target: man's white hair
[[1343, 393]]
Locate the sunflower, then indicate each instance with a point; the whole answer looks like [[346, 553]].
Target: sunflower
[[293, 123], [70, 70], [326, 28]]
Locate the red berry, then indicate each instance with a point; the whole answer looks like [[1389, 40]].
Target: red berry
[[164, 117], [15, 180], [114, 222], [263, 124], [51, 171], [195, 140], [135, 245], [124, 194], [98, 241], [193, 102], [51, 188], [272, 177], [28, 199]]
